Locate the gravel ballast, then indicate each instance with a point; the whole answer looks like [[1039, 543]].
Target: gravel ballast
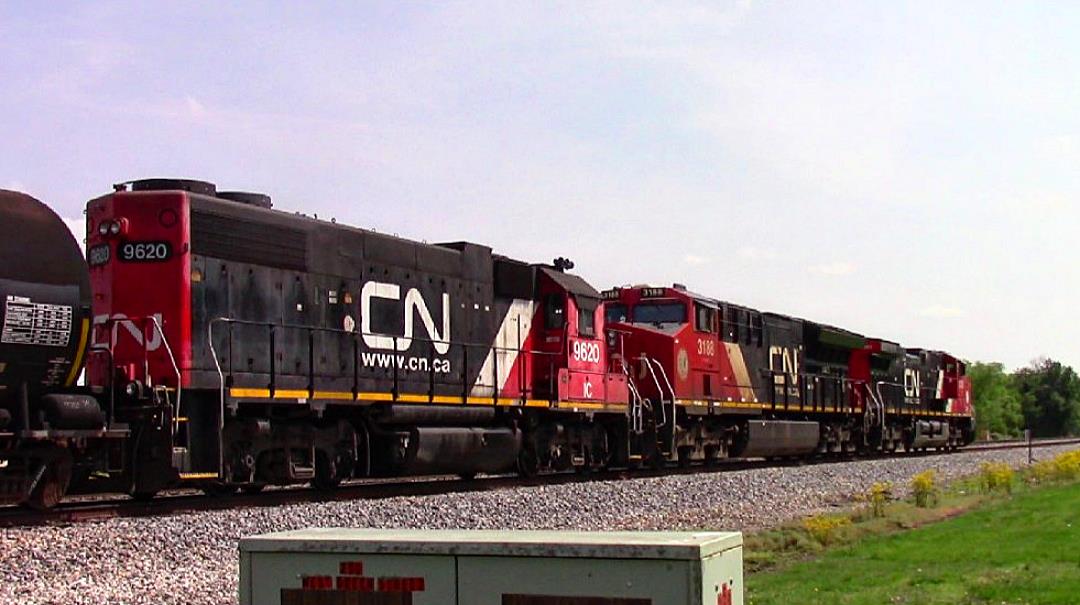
[[191, 558]]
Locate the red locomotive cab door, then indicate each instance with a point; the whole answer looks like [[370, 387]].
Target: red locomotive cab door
[[950, 383], [585, 376], [546, 359]]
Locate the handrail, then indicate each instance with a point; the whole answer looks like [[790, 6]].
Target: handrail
[[674, 408], [172, 360], [637, 423], [113, 324], [663, 411], [382, 334], [355, 336], [663, 374]]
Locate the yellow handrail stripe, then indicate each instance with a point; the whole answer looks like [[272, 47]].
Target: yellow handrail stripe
[[76, 365]]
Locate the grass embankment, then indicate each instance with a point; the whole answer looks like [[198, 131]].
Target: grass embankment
[[995, 539]]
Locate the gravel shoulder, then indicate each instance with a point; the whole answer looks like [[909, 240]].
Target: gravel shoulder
[[191, 558]]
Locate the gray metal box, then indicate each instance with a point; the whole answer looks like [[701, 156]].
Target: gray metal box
[[419, 567]]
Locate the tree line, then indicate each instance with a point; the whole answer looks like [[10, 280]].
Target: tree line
[[1043, 397]]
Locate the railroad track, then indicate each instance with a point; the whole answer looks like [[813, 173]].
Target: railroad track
[[78, 510]]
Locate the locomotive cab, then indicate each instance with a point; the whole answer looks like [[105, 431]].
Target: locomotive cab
[[571, 353], [673, 342]]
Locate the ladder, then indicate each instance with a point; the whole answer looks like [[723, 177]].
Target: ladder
[[874, 414], [668, 423]]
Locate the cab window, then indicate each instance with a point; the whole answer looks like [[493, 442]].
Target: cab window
[[731, 324], [704, 318], [586, 317], [615, 312], [554, 311]]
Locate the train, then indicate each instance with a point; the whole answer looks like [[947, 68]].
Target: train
[[227, 345]]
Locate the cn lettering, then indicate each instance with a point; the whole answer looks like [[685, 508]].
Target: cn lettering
[[151, 339], [911, 382], [414, 301], [788, 362]]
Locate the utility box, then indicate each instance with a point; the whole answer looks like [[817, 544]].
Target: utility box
[[418, 567]]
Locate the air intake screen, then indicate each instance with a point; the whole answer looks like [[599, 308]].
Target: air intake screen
[[248, 241]]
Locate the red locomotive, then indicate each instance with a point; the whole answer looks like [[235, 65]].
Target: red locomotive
[[737, 381], [232, 345]]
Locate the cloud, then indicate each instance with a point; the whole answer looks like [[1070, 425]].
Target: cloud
[[693, 259], [940, 312], [834, 268]]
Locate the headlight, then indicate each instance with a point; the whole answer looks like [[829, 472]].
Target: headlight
[[114, 227], [103, 228]]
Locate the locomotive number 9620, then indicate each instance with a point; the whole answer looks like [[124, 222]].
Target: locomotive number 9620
[[586, 351], [145, 252]]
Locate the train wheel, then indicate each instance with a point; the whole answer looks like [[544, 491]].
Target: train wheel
[[528, 463], [326, 473], [52, 486], [683, 454]]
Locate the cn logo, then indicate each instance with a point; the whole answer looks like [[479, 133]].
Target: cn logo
[[414, 301], [125, 325], [912, 381], [786, 360]]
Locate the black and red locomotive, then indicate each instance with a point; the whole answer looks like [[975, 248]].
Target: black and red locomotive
[[229, 345]]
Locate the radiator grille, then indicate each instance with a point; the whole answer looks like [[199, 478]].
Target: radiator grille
[[248, 241]]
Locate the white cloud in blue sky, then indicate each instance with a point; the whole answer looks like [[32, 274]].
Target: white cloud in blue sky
[[908, 170]]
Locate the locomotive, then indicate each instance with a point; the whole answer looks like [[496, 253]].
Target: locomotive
[[746, 383], [228, 345]]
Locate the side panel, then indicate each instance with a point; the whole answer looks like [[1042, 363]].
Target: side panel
[[278, 578], [489, 580]]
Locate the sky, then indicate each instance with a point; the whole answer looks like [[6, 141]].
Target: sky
[[905, 170]]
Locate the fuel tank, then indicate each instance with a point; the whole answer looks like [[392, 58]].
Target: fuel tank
[[930, 433], [777, 438], [44, 302], [461, 450]]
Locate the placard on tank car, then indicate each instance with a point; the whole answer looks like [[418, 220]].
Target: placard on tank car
[[416, 567]]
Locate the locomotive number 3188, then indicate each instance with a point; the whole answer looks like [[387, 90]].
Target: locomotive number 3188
[[141, 252]]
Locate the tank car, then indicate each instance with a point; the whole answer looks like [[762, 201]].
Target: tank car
[[728, 380], [290, 349], [53, 433]]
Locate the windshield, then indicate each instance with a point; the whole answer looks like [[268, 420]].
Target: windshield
[[663, 312], [615, 312]]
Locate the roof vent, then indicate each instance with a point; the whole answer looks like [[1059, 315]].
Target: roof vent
[[678, 286], [246, 197], [200, 187]]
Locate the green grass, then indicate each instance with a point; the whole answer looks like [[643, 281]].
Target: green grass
[[1023, 549]]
